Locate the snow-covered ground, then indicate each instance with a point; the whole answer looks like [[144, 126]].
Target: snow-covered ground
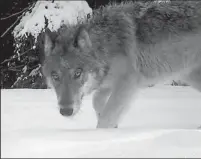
[[163, 123]]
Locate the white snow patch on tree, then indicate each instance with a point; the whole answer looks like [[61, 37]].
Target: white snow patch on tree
[[35, 71], [57, 13], [18, 79], [24, 69]]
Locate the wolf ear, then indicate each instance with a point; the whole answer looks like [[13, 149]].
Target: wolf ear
[[48, 43], [82, 40]]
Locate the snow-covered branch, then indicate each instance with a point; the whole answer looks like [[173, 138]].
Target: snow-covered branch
[[7, 30], [57, 13]]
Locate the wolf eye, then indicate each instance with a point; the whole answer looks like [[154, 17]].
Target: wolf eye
[[55, 76], [78, 73]]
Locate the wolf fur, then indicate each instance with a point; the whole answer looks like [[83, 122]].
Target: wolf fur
[[121, 49]]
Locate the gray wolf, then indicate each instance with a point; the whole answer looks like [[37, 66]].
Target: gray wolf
[[123, 48]]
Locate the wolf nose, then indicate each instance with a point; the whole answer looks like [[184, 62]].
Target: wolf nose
[[66, 111]]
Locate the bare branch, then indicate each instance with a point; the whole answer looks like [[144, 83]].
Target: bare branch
[[15, 69], [7, 60], [12, 15], [11, 26]]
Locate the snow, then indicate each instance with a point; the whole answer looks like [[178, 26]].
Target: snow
[[35, 71], [163, 123], [57, 13]]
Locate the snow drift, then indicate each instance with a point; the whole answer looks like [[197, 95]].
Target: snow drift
[[163, 123]]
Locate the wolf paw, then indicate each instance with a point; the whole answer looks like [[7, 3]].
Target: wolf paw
[[104, 124], [101, 127]]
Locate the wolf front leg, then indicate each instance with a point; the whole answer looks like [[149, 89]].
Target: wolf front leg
[[100, 99], [119, 101]]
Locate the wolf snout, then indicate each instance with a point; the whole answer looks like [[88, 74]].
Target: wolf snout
[[66, 108], [66, 111]]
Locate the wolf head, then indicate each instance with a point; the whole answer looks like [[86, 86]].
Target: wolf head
[[69, 68]]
